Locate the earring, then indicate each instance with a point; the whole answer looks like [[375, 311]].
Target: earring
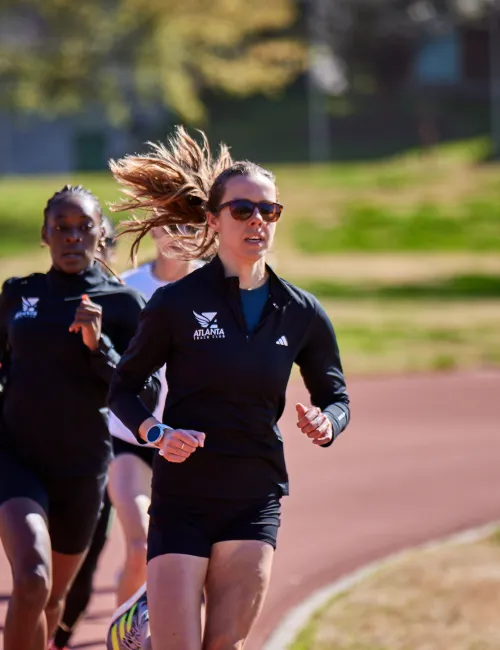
[[101, 245]]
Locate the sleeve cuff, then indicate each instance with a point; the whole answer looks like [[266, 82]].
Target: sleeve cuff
[[105, 348]]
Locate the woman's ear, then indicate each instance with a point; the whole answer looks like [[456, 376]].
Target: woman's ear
[[44, 241], [213, 221], [102, 240]]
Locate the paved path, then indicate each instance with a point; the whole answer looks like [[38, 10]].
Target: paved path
[[420, 460]]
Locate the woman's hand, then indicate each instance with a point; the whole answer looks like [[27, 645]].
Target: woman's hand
[[88, 321], [314, 424], [179, 444]]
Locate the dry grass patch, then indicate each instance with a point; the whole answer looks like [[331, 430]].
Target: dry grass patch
[[377, 337], [441, 599], [383, 267]]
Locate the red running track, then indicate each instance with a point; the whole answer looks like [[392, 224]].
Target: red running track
[[420, 460]]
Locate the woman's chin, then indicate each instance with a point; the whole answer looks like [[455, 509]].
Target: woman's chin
[[254, 252]]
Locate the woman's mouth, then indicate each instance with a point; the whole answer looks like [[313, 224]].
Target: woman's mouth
[[255, 240], [72, 255]]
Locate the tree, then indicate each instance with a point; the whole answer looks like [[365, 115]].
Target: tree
[[57, 55]]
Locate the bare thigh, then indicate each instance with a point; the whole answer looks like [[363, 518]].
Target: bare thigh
[[175, 588], [26, 540], [238, 577], [130, 492]]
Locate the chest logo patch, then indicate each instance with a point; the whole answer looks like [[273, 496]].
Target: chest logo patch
[[209, 328], [28, 308]]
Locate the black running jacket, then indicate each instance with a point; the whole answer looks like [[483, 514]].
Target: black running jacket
[[228, 383], [54, 399]]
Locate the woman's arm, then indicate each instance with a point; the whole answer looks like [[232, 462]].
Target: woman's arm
[[105, 350], [5, 300], [321, 369], [146, 353]]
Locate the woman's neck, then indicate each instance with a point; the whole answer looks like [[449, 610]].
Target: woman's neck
[[168, 269], [252, 275]]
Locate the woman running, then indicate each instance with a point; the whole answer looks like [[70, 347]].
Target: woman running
[[229, 334], [61, 336], [79, 595], [131, 470]]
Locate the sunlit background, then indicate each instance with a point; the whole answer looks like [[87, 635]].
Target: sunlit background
[[381, 119]]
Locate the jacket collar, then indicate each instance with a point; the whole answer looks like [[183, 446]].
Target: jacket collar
[[65, 283], [280, 292]]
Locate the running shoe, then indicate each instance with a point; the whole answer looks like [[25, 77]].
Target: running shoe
[[127, 623]]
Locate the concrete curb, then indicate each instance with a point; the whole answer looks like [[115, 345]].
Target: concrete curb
[[297, 618]]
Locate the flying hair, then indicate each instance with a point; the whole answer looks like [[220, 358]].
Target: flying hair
[[175, 184]]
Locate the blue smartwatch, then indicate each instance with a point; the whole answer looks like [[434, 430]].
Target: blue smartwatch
[[156, 433]]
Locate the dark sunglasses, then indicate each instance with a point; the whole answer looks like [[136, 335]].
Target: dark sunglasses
[[243, 209]]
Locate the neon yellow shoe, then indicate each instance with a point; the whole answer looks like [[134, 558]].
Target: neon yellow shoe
[[127, 623]]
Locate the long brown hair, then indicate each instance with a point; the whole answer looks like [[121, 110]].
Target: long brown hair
[[174, 184]]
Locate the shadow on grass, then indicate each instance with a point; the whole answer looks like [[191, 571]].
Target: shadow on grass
[[460, 287]]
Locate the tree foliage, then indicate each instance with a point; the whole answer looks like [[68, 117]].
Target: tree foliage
[[59, 55]]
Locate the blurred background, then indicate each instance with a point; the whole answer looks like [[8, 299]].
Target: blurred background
[[381, 119]]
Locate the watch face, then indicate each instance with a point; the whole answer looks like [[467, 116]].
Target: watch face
[[154, 433]]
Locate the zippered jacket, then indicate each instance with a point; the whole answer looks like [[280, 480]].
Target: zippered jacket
[[228, 383], [54, 399]]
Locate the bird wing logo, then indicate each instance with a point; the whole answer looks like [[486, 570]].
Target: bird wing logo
[[28, 308], [207, 319], [29, 304], [208, 327]]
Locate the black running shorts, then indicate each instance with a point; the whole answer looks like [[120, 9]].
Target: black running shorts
[[144, 453], [192, 526], [72, 504]]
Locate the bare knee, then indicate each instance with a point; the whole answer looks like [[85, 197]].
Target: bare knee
[[31, 586], [55, 605]]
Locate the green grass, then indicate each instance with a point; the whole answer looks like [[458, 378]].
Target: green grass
[[321, 211], [385, 336], [442, 202], [404, 170], [22, 200], [401, 347], [460, 287], [472, 226]]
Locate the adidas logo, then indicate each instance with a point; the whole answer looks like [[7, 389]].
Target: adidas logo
[[282, 341]]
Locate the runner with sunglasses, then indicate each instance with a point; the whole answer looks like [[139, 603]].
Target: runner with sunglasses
[[61, 336], [229, 334], [131, 470]]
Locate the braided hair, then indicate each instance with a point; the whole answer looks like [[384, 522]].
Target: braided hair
[[108, 228], [71, 190]]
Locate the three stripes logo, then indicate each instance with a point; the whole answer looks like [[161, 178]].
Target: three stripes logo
[[282, 341]]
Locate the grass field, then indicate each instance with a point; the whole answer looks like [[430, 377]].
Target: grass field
[[443, 598], [404, 253]]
